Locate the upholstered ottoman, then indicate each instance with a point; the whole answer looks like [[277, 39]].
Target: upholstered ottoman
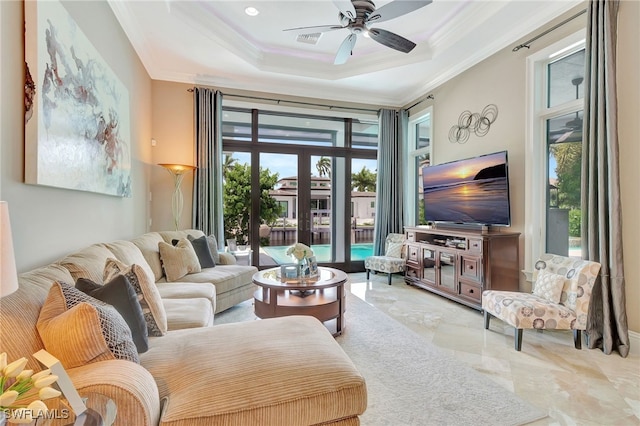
[[281, 371]]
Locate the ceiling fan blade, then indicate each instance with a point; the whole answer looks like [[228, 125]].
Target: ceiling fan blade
[[394, 9], [345, 49], [346, 8], [313, 30], [391, 40]]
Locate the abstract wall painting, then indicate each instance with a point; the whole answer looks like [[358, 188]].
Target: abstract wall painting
[[77, 123]]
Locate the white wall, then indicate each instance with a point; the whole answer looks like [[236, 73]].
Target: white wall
[[500, 80], [48, 223]]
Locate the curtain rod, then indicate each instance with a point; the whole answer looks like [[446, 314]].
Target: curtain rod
[[420, 101], [527, 43], [278, 101]]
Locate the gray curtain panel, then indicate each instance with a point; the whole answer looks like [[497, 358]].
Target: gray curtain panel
[[601, 211], [207, 184], [393, 126]]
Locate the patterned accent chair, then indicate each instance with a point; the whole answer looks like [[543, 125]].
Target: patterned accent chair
[[559, 301], [393, 260]]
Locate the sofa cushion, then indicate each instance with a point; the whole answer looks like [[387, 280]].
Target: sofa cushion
[[201, 247], [148, 295], [148, 245], [87, 263], [225, 278], [78, 329], [281, 371], [119, 293], [183, 290], [188, 313], [178, 260]]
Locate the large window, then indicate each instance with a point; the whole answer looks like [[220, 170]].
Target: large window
[[553, 210], [307, 168], [418, 156]]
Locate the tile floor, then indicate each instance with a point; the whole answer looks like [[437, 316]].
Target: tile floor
[[576, 387]]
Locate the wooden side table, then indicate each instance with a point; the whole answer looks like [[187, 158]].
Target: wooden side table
[[322, 297]]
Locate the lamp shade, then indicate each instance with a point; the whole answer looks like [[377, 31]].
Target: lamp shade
[[8, 273], [177, 169]]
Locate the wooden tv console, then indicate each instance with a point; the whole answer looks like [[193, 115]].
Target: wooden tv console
[[460, 264]]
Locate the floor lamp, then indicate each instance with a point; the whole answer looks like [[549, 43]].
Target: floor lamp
[[177, 171]]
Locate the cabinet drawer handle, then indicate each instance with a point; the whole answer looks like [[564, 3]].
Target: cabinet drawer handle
[[471, 267], [471, 291]]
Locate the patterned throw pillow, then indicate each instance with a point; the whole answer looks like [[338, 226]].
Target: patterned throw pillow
[[78, 329], [178, 261], [549, 286], [394, 250], [148, 294]]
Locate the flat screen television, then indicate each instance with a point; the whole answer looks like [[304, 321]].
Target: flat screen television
[[472, 191]]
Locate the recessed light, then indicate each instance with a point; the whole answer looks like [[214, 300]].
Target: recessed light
[[251, 11]]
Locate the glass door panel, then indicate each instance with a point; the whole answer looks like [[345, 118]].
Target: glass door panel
[[429, 266], [447, 268], [363, 206], [236, 176], [279, 212]]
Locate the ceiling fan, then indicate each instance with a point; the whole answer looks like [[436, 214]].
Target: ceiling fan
[[358, 16]]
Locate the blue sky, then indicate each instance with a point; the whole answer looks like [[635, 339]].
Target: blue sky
[[286, 165]]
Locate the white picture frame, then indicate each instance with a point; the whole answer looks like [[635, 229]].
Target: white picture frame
[[64, 382], [232, 245], [313, 265]]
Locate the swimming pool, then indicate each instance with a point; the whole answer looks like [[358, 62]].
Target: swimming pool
[[321, 251]]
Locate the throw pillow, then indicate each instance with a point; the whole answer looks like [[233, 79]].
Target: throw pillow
[[394, 250], [178, 261], [78, 329], [148, 294], [203, 251], [213, 246], [121, 295], [549, 286]]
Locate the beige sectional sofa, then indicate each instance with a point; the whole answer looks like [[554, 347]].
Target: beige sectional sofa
[[283, 371]]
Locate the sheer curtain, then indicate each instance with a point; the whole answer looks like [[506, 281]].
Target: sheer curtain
[[601, 218], [393, 127], [207, 183]]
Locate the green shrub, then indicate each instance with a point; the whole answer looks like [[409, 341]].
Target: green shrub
[[575, 222]]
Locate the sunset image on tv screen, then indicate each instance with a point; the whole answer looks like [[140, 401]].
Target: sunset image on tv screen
[[475, 190]]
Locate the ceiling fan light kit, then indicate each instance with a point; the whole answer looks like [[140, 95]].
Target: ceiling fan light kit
[[358, 16]]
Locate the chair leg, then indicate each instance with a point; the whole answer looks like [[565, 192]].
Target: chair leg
[[390, 278], [577, 339], [487, 319], [518, 339], [368, 270]]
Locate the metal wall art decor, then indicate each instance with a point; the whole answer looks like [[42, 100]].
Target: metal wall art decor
[[478, 123], [77, 125]]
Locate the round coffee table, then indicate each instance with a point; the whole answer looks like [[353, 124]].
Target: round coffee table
[[321, 296]]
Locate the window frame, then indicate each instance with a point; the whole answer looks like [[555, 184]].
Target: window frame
[[410, 179], [537, 114]]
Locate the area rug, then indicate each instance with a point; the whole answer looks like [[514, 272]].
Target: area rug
[[412, 382]]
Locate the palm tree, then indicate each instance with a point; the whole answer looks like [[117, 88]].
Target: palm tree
[[324, 166], [227, 165], [364, 180]]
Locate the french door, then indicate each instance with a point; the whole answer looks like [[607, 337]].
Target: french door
[[312, 195]]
